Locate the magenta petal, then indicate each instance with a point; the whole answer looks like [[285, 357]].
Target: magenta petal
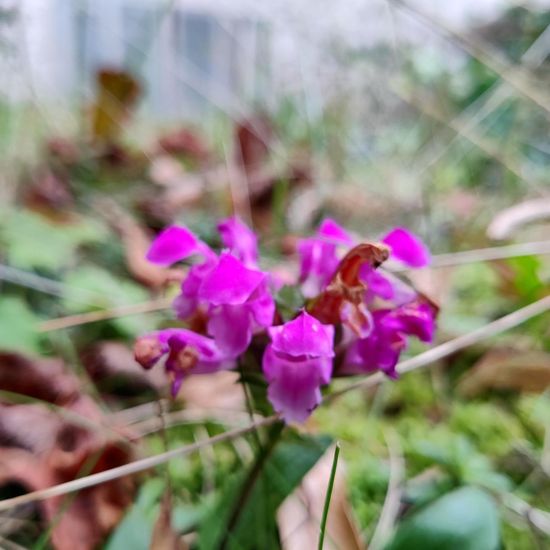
[[304, 336], [188, 353], [231, 328], [230, 282], [294, 386], [319, 258], [173, 244], [186, 303], [192, 353], [377, 283], [262, 306], [417, 320], [407, 248], [210, 358], [334, 232], [240, 240]]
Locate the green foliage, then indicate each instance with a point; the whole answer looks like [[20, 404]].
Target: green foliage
[[18, 326], [33, 242], [255, 527], [289, 299], [108, 291], [464, 519]]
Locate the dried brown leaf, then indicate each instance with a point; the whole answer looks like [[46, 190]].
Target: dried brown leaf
[[507, 369], [42, 447], [117, 94]]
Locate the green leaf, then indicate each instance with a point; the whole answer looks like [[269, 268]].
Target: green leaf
[[256, 526], [32, 241], [18, 326], [289, 300], [111, 292], [464, 519], [136, 528]]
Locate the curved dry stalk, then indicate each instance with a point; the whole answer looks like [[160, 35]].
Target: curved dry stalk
[[176, 418], [430, 356], [130, 468], [489, 254], [390, 508], [113, 313]]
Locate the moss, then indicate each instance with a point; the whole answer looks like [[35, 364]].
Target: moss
[[490, 427]]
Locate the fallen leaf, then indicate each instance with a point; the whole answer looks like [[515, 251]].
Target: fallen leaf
[[112, 367], [185, 142], [48, 193], [299, 517], [44, 379], [43, 446], [136, 243], [507, 369], [220, 390]]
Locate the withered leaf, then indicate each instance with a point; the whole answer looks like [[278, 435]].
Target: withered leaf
[[507, 369]]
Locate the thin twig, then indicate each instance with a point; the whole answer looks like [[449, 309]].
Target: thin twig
[[489, 100], [328, 497], [103, 315], [128, 469], [489, 254]]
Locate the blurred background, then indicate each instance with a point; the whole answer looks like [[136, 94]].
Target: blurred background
[[119, 117]]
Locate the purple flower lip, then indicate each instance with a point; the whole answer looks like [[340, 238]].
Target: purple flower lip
[[172, 245], [186, 353], [304, 336], [296, 363], [319, 258], [240, 240], [230, 282], [407, 248]]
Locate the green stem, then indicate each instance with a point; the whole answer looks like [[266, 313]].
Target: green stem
[[328, 497], [250, 481]]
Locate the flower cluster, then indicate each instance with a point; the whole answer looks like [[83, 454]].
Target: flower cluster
[[226, 300]]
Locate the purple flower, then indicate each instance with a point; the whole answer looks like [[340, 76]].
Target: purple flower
[[187, 302], [384, 285], [173, 244], [241, 241], [238, 302], [381, 349], [319, 258], [296, 364], [187, 353], [407, 248]]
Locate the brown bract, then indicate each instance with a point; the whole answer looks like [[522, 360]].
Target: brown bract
[[346, 286]]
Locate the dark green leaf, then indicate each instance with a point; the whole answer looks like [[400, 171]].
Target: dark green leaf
[[256, 526], [465, 519]]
